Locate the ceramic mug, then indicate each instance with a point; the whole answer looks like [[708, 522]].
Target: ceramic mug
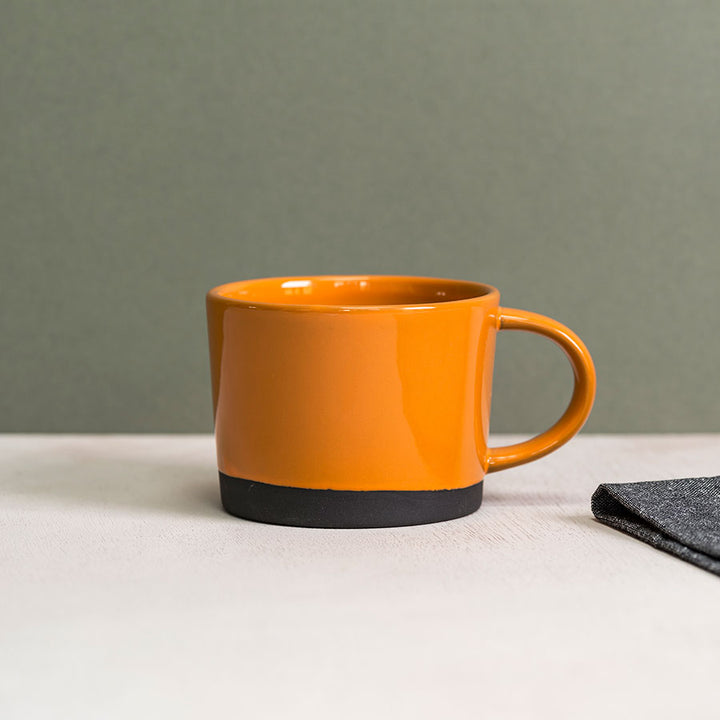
[[364, 401]]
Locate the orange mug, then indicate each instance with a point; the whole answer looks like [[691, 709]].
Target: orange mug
[[364, 400]]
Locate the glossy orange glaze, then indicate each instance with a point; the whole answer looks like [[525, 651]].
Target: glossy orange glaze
[[368, 382]]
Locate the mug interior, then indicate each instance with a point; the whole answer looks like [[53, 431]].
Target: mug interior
[[352, 290]]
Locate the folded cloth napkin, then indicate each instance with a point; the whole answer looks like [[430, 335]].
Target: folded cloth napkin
[[681, 517]]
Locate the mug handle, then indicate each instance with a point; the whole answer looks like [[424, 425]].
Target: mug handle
[[581, 402]]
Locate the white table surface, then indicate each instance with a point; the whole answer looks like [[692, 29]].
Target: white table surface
[[126, 592]]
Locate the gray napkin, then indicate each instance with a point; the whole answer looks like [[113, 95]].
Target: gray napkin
[[681, 517]]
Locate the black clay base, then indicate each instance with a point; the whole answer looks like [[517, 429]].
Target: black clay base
[[282, 505]]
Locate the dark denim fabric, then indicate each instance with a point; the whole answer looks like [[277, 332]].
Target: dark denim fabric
[[681, 517]]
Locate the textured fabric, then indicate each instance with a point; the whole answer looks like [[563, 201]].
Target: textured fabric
[[681, 517]]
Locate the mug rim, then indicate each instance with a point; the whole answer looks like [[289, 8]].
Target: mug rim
[[483, 292]]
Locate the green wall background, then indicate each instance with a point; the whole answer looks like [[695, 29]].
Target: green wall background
[[567, 152]]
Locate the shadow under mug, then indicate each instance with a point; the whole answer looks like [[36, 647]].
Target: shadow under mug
[[364, 401]]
